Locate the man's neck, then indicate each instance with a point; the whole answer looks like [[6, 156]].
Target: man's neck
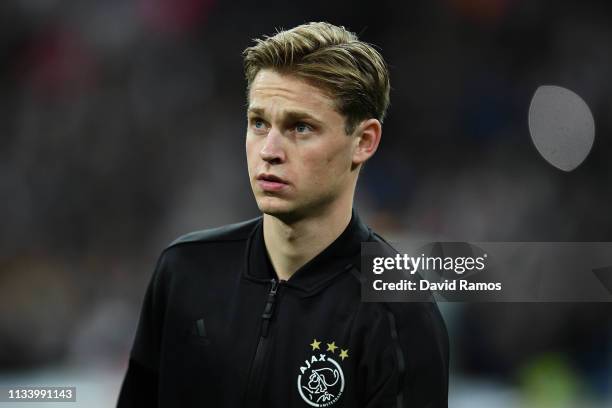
[[290, 246]]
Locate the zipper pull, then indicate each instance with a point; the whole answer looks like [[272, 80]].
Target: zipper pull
[[269, 308]]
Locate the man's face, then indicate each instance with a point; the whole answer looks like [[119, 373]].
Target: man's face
[[299, 156]]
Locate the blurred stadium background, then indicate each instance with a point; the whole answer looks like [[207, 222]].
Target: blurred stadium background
[[122, 127]]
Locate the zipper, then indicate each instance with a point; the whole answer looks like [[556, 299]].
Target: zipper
[[254, 384]]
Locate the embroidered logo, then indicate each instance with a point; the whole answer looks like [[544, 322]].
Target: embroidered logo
[[320, 381]]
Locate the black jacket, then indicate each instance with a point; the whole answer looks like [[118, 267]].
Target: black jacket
[[218, 330]]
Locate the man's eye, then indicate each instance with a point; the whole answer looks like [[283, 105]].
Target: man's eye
[[303, 127], [258, 124]]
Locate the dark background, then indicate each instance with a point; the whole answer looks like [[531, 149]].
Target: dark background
[[122, 126]]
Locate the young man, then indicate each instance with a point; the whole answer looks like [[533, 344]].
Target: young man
[[267, 313]]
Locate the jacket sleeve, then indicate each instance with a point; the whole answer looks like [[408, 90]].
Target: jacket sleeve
[[408, 358], [140, 385]]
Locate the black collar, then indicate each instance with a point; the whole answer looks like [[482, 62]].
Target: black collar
[[340, 255]]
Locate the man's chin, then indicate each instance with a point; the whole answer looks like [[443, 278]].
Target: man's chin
[[276, 208], [275, 211]]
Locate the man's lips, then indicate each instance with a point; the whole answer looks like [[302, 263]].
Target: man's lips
[[270, 182]]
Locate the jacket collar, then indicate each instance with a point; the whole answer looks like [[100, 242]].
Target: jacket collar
[[319, 272]]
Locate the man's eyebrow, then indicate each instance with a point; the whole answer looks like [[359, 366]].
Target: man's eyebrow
[[291, 115], [255, 111], [299, 115]]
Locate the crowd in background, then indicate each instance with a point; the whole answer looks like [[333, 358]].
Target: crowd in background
[[122, 126]]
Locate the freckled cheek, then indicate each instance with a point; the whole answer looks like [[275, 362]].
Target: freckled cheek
[[251, 156], [317, 170], [251, 148], [249, 142], [334, 164]]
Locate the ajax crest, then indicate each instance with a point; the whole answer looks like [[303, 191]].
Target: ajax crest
[[320, 380]]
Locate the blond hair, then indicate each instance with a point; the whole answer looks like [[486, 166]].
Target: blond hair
[[351, 71]]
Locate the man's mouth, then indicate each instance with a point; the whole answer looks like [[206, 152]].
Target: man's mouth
[[270, 182]]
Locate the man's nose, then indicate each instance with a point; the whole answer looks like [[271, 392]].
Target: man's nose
[[272, 150]]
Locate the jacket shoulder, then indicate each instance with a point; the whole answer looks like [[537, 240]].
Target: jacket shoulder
[[385, 246], [232, 232]]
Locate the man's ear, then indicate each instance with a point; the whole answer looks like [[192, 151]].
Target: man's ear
[[367, 137]]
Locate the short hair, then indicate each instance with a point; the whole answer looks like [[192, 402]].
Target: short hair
[[332, 58]]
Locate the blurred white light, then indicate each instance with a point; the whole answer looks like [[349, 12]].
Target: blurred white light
[[561, 126]]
